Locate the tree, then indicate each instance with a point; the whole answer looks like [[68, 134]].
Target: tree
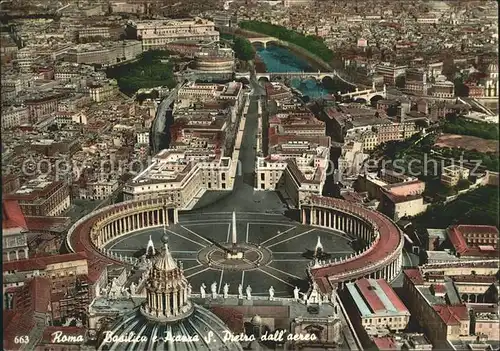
[[243, 49]]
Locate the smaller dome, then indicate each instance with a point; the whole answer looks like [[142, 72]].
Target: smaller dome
[[256, 320], [165, 262]]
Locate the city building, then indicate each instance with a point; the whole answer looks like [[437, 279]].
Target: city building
[[40, 107], [155, 34], [367, 126], [14, 232], [485, 321], [437, 307], [296, 166], [374, 304], [61, 270], [401, 341], [416, 81], [105, 53], [399, 195], [448, 300], [98, 189], [182, 177], [474, 240], [451, 175], [390, 72], [99, 32], [101, 92], [14, 116], [26, 313], [42, 197], [443, 89]]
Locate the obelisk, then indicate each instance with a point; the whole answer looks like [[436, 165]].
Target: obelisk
[[234, 231], [234, 253]]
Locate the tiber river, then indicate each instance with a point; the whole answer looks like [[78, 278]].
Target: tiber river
[[279, 59]]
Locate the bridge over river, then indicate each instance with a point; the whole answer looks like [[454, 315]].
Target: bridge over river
[[277, 76]]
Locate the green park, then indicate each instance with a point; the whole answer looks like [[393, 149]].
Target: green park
[[151, 69]]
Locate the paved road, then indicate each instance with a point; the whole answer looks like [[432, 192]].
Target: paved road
[[243, 198]]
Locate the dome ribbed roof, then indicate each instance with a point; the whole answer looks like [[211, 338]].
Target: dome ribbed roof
[[165, 262]]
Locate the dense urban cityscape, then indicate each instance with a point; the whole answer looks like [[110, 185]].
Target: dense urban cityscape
[[250, 175]]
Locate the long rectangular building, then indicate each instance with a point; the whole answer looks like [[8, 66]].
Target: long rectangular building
[[378, 305], [155, 34]]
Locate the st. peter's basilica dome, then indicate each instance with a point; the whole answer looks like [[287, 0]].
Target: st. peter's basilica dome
[[167, 320]]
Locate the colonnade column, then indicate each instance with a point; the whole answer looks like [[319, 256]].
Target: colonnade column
[[160, 296], [303, 214], [176, 216], [175, 301], [330, 219], [168, 308]]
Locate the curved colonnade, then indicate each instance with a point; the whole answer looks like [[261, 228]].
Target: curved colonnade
[[93, 232], [382, 258]]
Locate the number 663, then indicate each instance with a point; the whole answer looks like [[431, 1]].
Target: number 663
[[22, 339]]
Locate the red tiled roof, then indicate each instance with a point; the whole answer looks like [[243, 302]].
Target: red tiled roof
[[452, 315], [468, 228], [415, 276], [374, 302], [457, 240], [389, 240], [81, 242], [46, 223], [385, 343], [457, 234], [389, 292], [12, 215], [41, 262]]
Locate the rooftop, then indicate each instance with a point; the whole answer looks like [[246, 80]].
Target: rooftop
[[375, 297], [40, 263]]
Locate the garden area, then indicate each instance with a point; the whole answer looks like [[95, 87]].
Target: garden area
[[464, 127], [312, 44], [152, 69], [420, 157], [486, 160], [479, 206]]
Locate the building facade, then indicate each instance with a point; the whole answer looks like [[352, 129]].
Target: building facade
[[41, 197], [155, 34]]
